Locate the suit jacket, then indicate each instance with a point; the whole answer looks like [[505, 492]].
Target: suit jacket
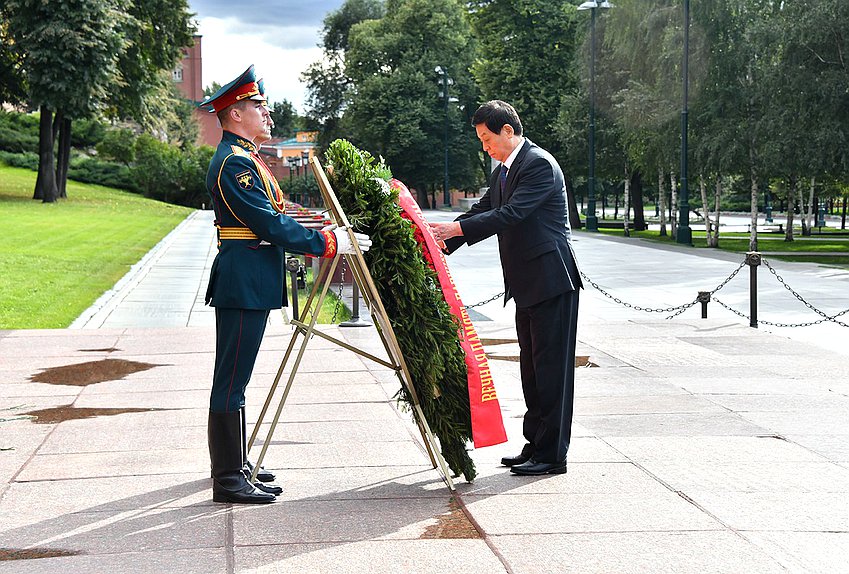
[[532, 223], [253, 233]]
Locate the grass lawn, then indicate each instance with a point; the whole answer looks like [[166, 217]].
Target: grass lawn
[[57, 259], [739, 243]]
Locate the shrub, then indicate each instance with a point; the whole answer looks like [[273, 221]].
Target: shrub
[[118, 145], [87, 133], [94, 170], [17, 141], [27, 160], [167, 173]]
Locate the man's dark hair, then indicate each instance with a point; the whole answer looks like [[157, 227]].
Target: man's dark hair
[[223, 114], [495, 114]]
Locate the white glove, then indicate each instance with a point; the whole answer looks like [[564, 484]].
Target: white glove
[[343, 241]]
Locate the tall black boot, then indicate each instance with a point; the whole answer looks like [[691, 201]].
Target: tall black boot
[[262, 475], [248, 468], [225, 452]]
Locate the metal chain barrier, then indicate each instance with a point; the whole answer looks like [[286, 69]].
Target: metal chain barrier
[[710, 295], [677, 310], [490, 300], [825, 317]]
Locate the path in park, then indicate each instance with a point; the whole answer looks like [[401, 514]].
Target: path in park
[[698, 445]]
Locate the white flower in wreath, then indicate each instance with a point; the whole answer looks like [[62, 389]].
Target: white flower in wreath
[[384, 185]]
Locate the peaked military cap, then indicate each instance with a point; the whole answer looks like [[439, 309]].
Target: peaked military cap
[[246, 86]]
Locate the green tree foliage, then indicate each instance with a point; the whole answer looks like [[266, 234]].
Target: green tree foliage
[[286, 119], [328, 87], [165, 172], [69, 55], [396, 111], [118, 145], [527, 56], [421, 320], [156, 32], [78, 58], [12, 86]]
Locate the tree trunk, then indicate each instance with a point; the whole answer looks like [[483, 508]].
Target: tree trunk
[[673, 221], [810, 212], [637, 197], [45, 184], [626, 200], [705, 210], [802, 219], [615, 203], [64, 155], [791, 208], [574, 214], [421, 197], [717, 197], [661, 203], [753, 236], [843, 212]]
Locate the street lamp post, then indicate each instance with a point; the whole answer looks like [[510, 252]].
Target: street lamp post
[[445, 81], [684, 233], [592, 220]]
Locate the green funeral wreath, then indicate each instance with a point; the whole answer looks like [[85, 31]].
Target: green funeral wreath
[[426, 331]]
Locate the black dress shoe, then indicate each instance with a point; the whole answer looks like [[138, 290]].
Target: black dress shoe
[[534, 468], [524, 456], [262, 475], [269, 488]]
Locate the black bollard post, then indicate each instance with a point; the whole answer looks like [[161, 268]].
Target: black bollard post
[[704, 299], [355, 311], [293, 265], [753, 260]]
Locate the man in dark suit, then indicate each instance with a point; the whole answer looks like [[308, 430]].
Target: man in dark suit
[[526, 208], [247, 279]]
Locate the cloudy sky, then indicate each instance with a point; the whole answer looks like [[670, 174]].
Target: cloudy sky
[[279, 37]]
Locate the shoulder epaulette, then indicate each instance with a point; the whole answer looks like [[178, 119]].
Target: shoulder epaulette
[[240, 151]]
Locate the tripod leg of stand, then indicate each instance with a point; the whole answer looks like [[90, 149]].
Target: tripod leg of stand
[[307, 334], [321, 274], [272, 391]]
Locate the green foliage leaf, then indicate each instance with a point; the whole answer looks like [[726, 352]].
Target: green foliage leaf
[[423, 325]]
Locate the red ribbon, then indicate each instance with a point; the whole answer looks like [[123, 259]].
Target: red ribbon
[[487, 424]]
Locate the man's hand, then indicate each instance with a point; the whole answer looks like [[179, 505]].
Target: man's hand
[[343, 241], [443, 231]]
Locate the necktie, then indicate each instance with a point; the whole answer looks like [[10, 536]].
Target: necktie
[[503, 176]]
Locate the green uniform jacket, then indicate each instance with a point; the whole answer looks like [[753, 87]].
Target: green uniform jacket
[[253, 233]]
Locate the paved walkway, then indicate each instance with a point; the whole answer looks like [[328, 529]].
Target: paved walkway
[[699, 445]]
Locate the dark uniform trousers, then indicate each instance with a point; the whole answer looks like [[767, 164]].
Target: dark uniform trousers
[[547, 335], [239, 335]]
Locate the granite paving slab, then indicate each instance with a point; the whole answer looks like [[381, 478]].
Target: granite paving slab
[[778, 511], [746, 476], [635, 553], [397, 556], [582, 478], [645, 404], [672, 424], [191, 561], [307, 520], [805, 551], [712, 449], [125, 531], [36, 502], [123, 463], [653, 508], [328, 432]]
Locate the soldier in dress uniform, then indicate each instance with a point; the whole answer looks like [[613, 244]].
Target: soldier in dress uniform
[[247, 279]]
